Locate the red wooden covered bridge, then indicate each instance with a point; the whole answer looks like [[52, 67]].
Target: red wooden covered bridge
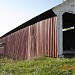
[[48, 34]]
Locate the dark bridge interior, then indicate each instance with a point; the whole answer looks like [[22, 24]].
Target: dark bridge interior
[[69, 35]]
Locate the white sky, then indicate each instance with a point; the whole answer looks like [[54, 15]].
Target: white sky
[[15, 12]]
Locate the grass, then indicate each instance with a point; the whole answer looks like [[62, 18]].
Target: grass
[[37, 66]]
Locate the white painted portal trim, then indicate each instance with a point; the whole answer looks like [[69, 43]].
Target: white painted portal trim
[[59, 10]]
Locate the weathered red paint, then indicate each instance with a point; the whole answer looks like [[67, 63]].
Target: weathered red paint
[[39, 39]]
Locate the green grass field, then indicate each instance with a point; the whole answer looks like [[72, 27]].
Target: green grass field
[[37, 66]]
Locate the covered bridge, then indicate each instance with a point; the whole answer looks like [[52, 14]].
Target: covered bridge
[[51, 33]]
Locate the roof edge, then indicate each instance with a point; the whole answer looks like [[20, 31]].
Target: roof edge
[[45, 15]]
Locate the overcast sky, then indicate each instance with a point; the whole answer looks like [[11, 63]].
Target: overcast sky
[[15, 12]]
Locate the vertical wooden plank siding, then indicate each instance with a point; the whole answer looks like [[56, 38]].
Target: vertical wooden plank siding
[[39, 39], [1, 51]]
